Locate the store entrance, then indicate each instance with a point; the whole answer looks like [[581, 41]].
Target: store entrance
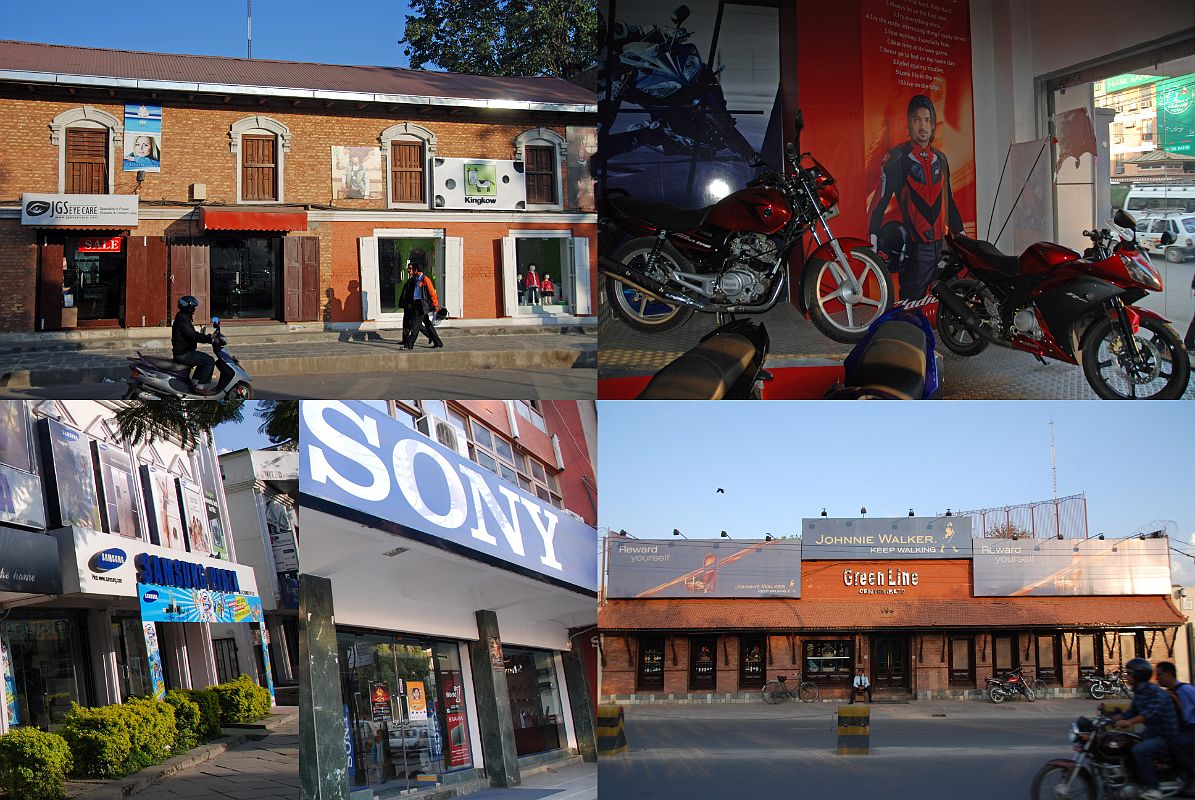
[[542, 273], [393, 253], [890, 662], [246, 278], [43, 661], [93, 280]]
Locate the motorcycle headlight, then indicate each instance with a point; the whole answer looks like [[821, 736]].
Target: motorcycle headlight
[[662, 89], [692, 65], [1143, 274]]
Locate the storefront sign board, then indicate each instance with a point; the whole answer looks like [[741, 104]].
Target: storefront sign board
[[478, 183], [886, 538], [704, 568], [79, 210], [1053, 567], [416, 701], [373, 467], [860, 580], [29, 562], [100, 245]]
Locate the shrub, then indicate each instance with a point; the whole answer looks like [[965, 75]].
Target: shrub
[[99, 740], [209, 712], [242, 700], [151, 729], [186, 720], [34, 764]]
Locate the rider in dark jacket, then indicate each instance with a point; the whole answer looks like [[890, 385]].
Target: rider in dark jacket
[[184, 340]]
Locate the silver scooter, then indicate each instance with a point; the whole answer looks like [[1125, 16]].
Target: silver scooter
[[154, 378]]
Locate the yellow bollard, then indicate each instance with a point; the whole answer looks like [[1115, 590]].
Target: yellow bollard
[[854, 730], [611, 739]]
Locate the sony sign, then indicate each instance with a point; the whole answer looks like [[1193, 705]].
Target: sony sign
[[358, 458]]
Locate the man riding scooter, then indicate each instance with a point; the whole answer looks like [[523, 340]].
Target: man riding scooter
[[184, 340]]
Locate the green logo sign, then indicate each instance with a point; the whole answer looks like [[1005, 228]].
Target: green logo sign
[[481, 180], [1177, 100]]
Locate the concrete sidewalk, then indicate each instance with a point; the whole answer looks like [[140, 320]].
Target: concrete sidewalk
[[560, 348], [915, 709], [574, 780]]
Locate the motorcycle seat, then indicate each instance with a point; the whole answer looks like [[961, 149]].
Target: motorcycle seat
[[661, 215], [988, 252], [704, 373], [894, 361], [168, 364]]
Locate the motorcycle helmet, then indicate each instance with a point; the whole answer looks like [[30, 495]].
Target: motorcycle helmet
[[187, 303], [1140, 669]]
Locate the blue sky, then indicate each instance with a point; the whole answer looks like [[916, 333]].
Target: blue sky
[[238, 435], [661, 463], [345, 32]]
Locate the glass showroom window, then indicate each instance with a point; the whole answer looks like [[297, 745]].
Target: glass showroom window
[[651, 663], [702, 669], [828, 661]]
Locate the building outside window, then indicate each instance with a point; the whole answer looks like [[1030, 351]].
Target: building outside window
[[534, 700], [829, 662], [651, 663], [752, 652]]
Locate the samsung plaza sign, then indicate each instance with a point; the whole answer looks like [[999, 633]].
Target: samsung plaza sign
[[357, 458]]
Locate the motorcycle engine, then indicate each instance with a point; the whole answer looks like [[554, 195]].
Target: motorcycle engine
[[745, 278], [1025, 322]]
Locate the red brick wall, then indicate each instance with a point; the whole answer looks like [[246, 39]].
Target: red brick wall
[[563, 418], [18, 276], [531, 438]]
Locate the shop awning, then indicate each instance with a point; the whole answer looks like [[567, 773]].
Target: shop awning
[[239, 219], [976, 612]]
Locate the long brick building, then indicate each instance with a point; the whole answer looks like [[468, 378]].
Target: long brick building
[[284, 191]]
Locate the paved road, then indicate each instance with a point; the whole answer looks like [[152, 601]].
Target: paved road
[[700, 752], [524, 384], [264, 770]]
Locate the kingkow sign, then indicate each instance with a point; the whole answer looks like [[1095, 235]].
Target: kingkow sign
[[361, 459]]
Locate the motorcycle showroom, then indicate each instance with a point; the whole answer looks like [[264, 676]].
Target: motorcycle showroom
[[842, 189]]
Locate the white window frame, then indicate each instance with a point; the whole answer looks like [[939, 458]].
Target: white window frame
[[542, 137], [510, 266], [372, 282], [409, 132], [261, 125], [87, 117]]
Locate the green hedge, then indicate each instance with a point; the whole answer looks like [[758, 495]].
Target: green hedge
[[209, 712], [187, 719], [242, 700], [34, 764], [112, 741], [152, 730]]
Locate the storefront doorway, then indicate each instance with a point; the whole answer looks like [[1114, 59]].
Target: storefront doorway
[[246, 277], [535, 704], [132, 662], [47, 670], [962, 661], [1049, 657], [548, 258], [393, 253], [93, 281], [890, 662]]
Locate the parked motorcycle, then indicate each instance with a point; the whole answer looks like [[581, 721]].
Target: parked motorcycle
[[1052, 302], [732, 257], [153, 378], [1101, 767], [1008, 685], [1110, 685]]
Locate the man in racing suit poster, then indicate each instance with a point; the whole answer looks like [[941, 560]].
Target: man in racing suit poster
[[917, 175]]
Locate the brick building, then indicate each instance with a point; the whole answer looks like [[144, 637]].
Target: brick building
[[283, 191]]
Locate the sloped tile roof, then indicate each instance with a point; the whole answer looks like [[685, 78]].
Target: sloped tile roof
[[979, 612], [191, 69]]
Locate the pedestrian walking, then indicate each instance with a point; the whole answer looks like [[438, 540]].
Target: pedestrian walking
[[419, 302], [861, 684]]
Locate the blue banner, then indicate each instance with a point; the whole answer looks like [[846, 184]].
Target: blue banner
[[156, 675], [360, 459], [174, 604], [265, 658]]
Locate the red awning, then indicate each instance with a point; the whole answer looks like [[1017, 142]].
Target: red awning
[[237, 219]]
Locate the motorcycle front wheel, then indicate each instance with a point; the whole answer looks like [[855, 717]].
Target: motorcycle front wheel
[[1096, 690], [833, 309], [636, 309], [957, 337], [1162, 375], [996, 695], [1050, 784]]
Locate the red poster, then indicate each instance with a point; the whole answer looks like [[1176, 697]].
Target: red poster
[[458, 741], [93, 245]]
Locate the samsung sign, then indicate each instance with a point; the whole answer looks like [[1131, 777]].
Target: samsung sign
[[98, 210], [357, 458], [107, 560]]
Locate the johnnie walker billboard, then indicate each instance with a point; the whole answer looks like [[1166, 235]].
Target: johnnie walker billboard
[[713, 568], [833, 538], [1053, 567]]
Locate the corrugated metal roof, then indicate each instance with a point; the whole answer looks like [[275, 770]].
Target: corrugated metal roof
[[134, 65], [977, 612]]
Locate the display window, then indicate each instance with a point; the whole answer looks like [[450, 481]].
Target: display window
[[1004, 654], [94, 278], [541, 271], [1091, 656], [535, 705], [1049, 658], [962, 661], [651, 663], [246, 277], [393, 253], [703, 673], [47, 674], [752, 651], [829, 661]]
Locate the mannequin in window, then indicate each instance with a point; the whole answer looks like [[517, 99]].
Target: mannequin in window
[[531, 280], [548, 290]]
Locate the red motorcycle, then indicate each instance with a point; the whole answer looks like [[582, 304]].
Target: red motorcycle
[[732, 257], [1055, 303]]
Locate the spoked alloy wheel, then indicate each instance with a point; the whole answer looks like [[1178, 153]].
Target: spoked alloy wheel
[[636, 309], [838, 312], [1160, 372], [996, 695], [1050, 784]]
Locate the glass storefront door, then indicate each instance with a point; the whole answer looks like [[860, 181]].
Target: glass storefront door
[[47, 664], [246, 278], [393, 253], [132, 661], [889, 662], [534, 700], [94, 278], [547, 256]]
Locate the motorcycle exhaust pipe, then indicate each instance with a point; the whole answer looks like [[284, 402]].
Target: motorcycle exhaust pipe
[[643, 283], [965, 314]]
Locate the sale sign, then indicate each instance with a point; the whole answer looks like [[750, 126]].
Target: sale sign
[[101, 245]]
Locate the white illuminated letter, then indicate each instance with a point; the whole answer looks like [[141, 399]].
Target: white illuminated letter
[[483, 498], [322, 471], [548, 534], [404, 472]]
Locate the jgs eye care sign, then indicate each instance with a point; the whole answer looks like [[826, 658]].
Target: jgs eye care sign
[[364, 465]]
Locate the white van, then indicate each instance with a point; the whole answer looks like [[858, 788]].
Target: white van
[[1172, 197]]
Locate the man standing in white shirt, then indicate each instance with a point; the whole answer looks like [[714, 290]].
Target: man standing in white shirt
[[861, 684]]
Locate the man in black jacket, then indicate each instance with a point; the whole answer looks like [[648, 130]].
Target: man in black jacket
[[418, 300], [184, 340]]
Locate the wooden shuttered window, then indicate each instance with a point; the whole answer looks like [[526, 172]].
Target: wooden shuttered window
[[406, 172], [259, 167], [87, 160], [540, 163]]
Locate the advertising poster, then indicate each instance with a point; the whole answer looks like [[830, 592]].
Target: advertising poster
[[265, 658], [122, 510], [582, 147], [10, 685], [918, 131], [474, 183], [1060, 567], [832, 538], [1176, 115], [416, 702], [21, 498], [74, 477], [142, 138], [154, 656], [379, 701], [196, 522], [14, 436], [209, 474], [348, 743], [357, 173], [164, 512], [683, 568], [177, 604], [458, 740]]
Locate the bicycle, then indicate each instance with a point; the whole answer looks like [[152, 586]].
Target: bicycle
[[1037, 685], [776, 690]]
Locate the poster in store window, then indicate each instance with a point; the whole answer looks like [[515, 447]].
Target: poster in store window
[[416, 701], [162, 500], [142, 138], [195, 524], [357, 173], [10, 684], [122, 511], [74, 477]]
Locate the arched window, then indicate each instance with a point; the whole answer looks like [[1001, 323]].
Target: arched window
[[87, 140], [406, 148], [260, 145], [542, 152]]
